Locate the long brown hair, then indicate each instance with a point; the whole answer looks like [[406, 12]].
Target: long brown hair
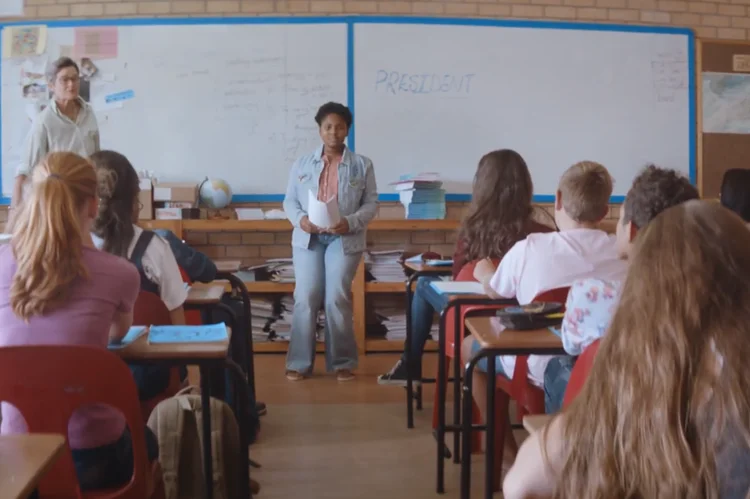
[[500, 211], [118, 194], [669, 387], [47, 241]]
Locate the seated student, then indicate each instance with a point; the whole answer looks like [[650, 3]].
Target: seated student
[[115, 232], [592, 302], [501, 213], [197, 266], [56, 288], [735, 192], [665, 411], [543, 262]]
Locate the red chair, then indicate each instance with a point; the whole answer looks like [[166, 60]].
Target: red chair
[[48, 383], [529, 398], [580, 373], [453, 341], [150, 310], [192, 317]]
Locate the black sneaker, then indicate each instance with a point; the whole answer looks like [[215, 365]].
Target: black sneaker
[[397, 376]]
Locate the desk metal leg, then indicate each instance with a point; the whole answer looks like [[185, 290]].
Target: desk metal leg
[[208, 470], [490, 444], [407, 354], [457, 326], [466, 428], [244, 406], [441, 389], [248, 363]]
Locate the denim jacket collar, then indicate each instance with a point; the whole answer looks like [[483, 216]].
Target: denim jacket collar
[[346, 157]]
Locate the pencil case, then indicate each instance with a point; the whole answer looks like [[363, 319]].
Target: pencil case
[[536, 315]]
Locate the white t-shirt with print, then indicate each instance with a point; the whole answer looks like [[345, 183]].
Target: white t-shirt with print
[[160, 267], [543, 262]]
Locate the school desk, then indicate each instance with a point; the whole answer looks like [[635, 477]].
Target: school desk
[[417, 270], [494, 339], [455, 303], [208, 357], [24, 459]]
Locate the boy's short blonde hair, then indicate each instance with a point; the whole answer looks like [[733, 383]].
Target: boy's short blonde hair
[[586, 188]]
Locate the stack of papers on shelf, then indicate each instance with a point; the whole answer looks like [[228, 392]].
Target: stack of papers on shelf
[[281, 329], [385, 265], [281, 269], [263, 316], [422, 196]]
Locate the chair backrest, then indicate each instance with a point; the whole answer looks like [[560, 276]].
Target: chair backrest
[[150, 310], [48, 383], [580, 373], [467, 271], [530, 399]]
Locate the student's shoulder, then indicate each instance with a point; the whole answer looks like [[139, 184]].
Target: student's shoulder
[[101, 262]]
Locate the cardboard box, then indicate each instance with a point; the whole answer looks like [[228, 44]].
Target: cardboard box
[[176, 192], [146, 200], [169, 214]]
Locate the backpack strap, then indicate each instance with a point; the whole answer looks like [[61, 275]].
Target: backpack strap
[[217, 448], [169, 434], [136, 258]]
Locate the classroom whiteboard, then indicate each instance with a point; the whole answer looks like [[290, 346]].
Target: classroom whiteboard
[[437, 96], [219, 98]]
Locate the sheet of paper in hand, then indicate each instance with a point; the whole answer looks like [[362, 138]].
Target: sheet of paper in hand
[[323, 215]]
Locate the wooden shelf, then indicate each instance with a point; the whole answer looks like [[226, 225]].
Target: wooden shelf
[[381, 345], [255, 286], [237, 225], [385, 287], [279, 347]]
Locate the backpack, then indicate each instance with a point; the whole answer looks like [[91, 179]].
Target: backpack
[[177, 423]]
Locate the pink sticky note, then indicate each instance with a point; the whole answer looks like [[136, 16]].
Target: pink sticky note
[[95, 42]]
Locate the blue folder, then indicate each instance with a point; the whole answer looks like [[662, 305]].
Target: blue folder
[[208, 333], [133, 334]]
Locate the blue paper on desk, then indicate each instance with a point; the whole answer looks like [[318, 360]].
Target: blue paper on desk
[[556, 331], [208, 333], [133, 334]]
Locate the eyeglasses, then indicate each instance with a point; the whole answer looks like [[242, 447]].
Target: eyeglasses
[[68, 79]]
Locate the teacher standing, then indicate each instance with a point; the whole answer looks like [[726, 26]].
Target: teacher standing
[[68, 124], [325, 260]]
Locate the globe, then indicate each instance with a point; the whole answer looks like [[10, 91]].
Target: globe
[[215, 193]]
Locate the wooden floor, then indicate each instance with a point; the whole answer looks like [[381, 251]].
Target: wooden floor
[[326, 439]]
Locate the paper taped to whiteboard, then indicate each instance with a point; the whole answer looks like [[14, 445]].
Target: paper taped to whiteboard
[[119, 96]]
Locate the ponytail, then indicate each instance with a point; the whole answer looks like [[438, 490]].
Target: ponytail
[[47, 237], [118, 188]]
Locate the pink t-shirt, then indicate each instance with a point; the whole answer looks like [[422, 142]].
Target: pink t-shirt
[[84, 319]]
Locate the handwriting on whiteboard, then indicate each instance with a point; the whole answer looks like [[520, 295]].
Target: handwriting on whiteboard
[[396, 82], [669, 73]]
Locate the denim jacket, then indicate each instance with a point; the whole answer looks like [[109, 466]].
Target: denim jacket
[[357, 197]]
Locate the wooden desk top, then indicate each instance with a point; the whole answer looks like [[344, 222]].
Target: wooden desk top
[[205, 295], [24, 459], [489, 333], [421, 267], [141, 349], [228, 266]]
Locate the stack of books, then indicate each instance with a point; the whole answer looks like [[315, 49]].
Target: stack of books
[[422, 196], [385, 266]]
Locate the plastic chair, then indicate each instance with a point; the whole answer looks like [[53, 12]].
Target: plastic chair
[[48, 383], [580, 373], [150, 310], [192, 317], [529, 398]]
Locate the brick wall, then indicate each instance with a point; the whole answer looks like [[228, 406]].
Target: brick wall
[[727, 19], [710, 19]]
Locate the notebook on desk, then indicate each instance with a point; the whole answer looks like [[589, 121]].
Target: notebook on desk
[[209, 333], [458, 287], [439, 263], [133, 334]]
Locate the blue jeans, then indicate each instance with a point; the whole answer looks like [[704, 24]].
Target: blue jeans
[[323, 274], [111, 465], [482, 364], [425, 302], [556, 377]]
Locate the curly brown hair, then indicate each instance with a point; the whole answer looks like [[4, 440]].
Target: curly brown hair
[[118, 194], [653, 191], [501, 211]]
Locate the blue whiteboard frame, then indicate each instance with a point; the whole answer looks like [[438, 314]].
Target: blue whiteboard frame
[[351, 21]]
